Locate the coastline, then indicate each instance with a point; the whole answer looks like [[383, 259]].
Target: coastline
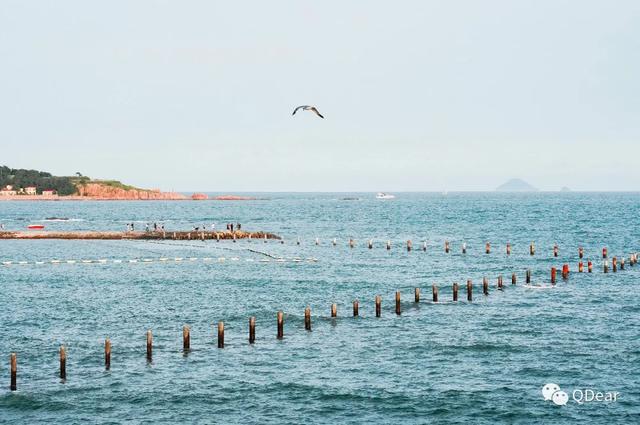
[[35, 198], [167, 196]]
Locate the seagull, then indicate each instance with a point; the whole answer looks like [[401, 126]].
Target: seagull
[[308, 108]]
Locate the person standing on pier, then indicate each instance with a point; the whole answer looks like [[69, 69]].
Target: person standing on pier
[[238, 226]]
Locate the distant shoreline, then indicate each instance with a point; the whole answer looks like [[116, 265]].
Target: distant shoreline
[[178, 197]]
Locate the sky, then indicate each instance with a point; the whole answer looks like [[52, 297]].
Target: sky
[[417, 95]]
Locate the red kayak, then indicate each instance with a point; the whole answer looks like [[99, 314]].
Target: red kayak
[[35, 227]]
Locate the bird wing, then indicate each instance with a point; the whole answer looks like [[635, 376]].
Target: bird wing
[[299, 107], [313, 108]]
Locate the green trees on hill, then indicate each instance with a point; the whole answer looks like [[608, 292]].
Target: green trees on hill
[[20, 178]]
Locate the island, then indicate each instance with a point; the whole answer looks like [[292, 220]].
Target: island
[[516, 185]]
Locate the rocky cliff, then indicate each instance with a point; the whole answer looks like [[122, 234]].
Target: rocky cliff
[[104, 191]]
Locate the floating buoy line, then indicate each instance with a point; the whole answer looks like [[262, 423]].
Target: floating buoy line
[[163, 260]]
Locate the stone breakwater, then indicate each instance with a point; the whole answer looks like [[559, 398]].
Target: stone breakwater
[[193, 235]]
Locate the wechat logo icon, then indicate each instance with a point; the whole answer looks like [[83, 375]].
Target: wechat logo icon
[[554, 393]]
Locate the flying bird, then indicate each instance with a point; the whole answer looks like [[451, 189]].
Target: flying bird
[[308, 108]]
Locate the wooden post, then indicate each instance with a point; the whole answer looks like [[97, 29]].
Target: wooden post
[[508, 249], [469, 290], [485, 286], [580, 252], [604, 252], [455, 291], [14, 372], [614, 263], [589, 266], [221, 334], [107, 354], [280, 317], [63, 363], [580, 267], [307, 318], [513, 278], [252, 330], [532, 249], [464, 247], [416, 294], [446, 246], [500, 282], [334, 310], [434, 289], [553, 275], [149, 345], [355, 308], [378, 305], [487, 248], [388, 245], [528, 277], [186, 338], [398, 307], [555, 250], [409, 245]]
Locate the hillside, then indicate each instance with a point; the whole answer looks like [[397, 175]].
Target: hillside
[[42, 180], [71, 187]]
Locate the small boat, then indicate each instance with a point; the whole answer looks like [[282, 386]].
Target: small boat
[[35, 227], [382, 195]]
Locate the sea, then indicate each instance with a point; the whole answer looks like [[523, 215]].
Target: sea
[[483, 361]]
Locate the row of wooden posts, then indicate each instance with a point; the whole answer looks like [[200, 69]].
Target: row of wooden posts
[[186, 334], [409, 244], [447, 246]]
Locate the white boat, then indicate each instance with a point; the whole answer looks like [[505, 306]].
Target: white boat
[[382, 195]]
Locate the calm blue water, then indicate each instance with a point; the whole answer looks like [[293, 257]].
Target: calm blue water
[[482, 362]]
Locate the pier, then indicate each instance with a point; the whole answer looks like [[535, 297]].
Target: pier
[[107, 235]]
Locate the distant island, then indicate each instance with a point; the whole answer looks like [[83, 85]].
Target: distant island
[[565, 189], [21, 184], [516, 185]]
